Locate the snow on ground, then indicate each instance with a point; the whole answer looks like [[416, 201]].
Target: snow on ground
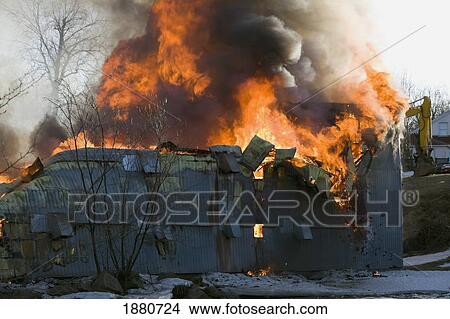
[[407, 174], [425, 259], [153, 289], [416, 283], [333, 284], [90, 295]]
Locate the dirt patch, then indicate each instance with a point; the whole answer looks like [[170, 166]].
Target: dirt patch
[[427, 225]]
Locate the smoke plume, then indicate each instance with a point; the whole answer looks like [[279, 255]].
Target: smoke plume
[[47, 136], [127, 17], [221, 71], [198, 54]]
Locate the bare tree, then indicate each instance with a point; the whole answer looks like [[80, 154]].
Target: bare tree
[[64, 39], [440, 104], [10, 158], [156, 122], [80, 117], [12, 93], [440, 98], [17, 89], [85, 122]]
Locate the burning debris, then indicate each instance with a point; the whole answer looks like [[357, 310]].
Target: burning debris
[[260, 272]]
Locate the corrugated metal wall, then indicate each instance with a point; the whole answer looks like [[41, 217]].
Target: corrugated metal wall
[[196, 249]]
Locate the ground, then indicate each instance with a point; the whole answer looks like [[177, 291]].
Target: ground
[[427, 226], [424, 276], [408, 283]]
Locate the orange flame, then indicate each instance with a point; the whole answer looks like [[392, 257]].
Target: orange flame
[[130, 77], [127, 81], [263, 272], [258, 116], [4, 179], [81, 141], [176, 59], [78, 142], [261, 115], [258, 231]]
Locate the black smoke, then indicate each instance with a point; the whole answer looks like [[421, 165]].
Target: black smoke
[[47, 136]]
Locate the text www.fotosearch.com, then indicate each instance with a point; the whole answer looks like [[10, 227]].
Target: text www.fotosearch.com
[[240, 309]]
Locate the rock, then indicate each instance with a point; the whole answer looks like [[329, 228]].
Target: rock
[[214, 293], [315, 275], [69, 286], [85, 283], [61, 290], [166, 275], [20, 293], [131, 281], [196, 292], [106, 282], [180, 291], [40, 287], [172, 282]]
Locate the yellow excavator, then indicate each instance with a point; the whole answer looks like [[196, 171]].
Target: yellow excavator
[[425, 164]]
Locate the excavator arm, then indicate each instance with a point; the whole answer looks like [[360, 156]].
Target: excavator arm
[[424, 163]]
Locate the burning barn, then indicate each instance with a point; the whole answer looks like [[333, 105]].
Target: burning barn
[[316, 187], [44, 233]]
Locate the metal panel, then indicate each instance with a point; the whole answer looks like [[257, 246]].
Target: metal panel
[[303, 233], [131, 163], [149, 161], [91, 155], [235, 150], [232, 231], [39, 224], [227, 163], [284, 154], [256, 152]]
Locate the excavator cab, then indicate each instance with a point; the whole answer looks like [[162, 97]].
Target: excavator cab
[[425, 164]]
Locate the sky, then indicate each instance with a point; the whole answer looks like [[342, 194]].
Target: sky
[[425, 56]]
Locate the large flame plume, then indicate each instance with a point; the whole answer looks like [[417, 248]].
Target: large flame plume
[[233, 69]]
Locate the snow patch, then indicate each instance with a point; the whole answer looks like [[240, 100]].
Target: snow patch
[[334, 283], [425, 259]]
